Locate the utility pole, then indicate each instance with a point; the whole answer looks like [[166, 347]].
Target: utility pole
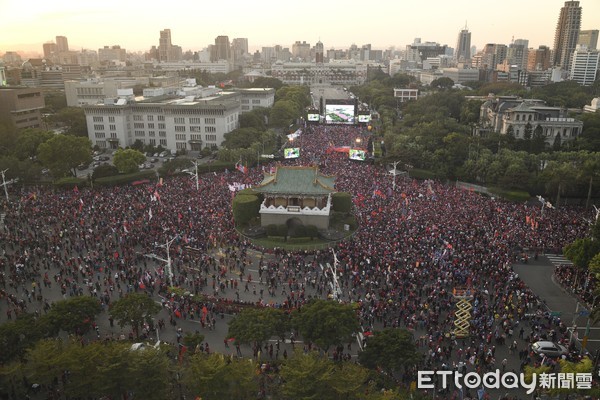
[[335, 284], [5, 183]]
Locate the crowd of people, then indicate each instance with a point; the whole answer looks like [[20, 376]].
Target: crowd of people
[[417, 242]]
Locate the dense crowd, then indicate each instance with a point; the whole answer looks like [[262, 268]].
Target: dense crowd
[[415, 245]]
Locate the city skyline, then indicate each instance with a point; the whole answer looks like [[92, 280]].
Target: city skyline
[[136, 27]]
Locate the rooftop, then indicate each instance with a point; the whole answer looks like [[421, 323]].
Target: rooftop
[[297, 180]]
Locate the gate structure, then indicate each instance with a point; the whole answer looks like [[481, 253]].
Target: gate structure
[[462, 315]]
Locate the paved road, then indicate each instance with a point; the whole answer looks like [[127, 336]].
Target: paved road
[[539, 276]]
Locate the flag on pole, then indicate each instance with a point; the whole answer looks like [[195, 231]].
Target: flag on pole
[[156, 195], [80, 204], [240, 167], [149, 214]]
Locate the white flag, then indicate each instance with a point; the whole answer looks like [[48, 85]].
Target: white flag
[[149, 213]]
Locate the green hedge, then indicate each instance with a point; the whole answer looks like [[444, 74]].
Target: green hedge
[[510, 194], [245, 208], [125, 178], [421, 174], [271, 230], [312, 231], [341, 202], [70, 182]]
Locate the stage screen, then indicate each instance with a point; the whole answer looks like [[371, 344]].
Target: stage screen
[[313, 117], [364, 118], [339, 113], [291, 152], [357, 154]]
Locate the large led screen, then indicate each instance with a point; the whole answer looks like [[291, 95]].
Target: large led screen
[[339, 113]]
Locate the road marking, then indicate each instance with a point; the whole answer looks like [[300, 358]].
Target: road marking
[[557, 259]]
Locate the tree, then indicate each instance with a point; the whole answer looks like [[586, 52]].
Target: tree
[[443, 83], [258, 325], [63, 153], [582, 251], [559, 176], [74, 315], [326, 323], [557, 145], [216, 377], [104, 170], [134, 309], [391, 349], [590, 169], [307, 376], [18, 335], [241, 138], [283, 113], [28, 142], [538, 141], [8, 135], [128, 160], [253, 119], [73, 120]]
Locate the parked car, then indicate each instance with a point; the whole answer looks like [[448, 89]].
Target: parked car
[[163, 154], [81, 167], [549, 349]]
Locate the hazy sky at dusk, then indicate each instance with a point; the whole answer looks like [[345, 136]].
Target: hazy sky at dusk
[[135, 25]]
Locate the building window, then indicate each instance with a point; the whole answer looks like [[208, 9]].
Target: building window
[[161, 126], [138, 118], [196, 137], [180, 120], [139, 134], [210, 129], [153, 142], [180, 129], [151, 126], [195, 129], [211, 121], [111, 119], [255, 101], [180, 136], [163, 142], [98, 119], [162, 133], [138, 125], [161, 118], [180, 145], [99, 135], [98, 127], [112, 127], [195, 120], [210, 138], [150, 117]]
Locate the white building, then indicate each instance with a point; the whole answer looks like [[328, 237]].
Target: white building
[[584, 66], [337, 72], [220, 66], [593, 107], [406, 94], [256, 98], [172, 122]]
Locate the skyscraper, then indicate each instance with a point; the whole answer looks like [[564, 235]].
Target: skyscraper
[[463, 45], [221, 50], [62, 44], [589, 38], [517, 53], [584, 66], [49, 50], [567, 34], [164, 45]]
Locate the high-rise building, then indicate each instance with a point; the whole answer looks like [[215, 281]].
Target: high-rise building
[[588, 38], [49, 50], [319, 52], [62, 44], [463, 46], [301, 50], [239, 50], [517, 53], [112, 53], [539, 59], [584, 66], [164, 45], [221, 50], [567, 34]]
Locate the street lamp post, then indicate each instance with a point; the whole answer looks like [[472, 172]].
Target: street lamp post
[[194, 174], [168, 267], [395, 163], [5, 183]]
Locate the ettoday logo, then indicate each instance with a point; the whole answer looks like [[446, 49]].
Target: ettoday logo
[[506, 380]]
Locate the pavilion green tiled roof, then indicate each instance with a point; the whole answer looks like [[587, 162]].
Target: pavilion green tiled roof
[[297, 180]]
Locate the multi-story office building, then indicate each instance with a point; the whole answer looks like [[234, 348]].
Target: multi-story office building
[[49, 50], [517, 53], [62, 44], [463, 46], [584, 66], [567, 34], [172, 122], [539, 59], [301, 51], [221, 50], [588, 38], [22, 106], [167, 51], [419, 51], [256, 98], [112, 53], [239, 51]]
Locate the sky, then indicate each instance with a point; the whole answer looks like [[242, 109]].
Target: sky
[[135, 25]]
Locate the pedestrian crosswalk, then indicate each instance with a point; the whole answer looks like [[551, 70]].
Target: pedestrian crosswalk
[[557, 259]]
